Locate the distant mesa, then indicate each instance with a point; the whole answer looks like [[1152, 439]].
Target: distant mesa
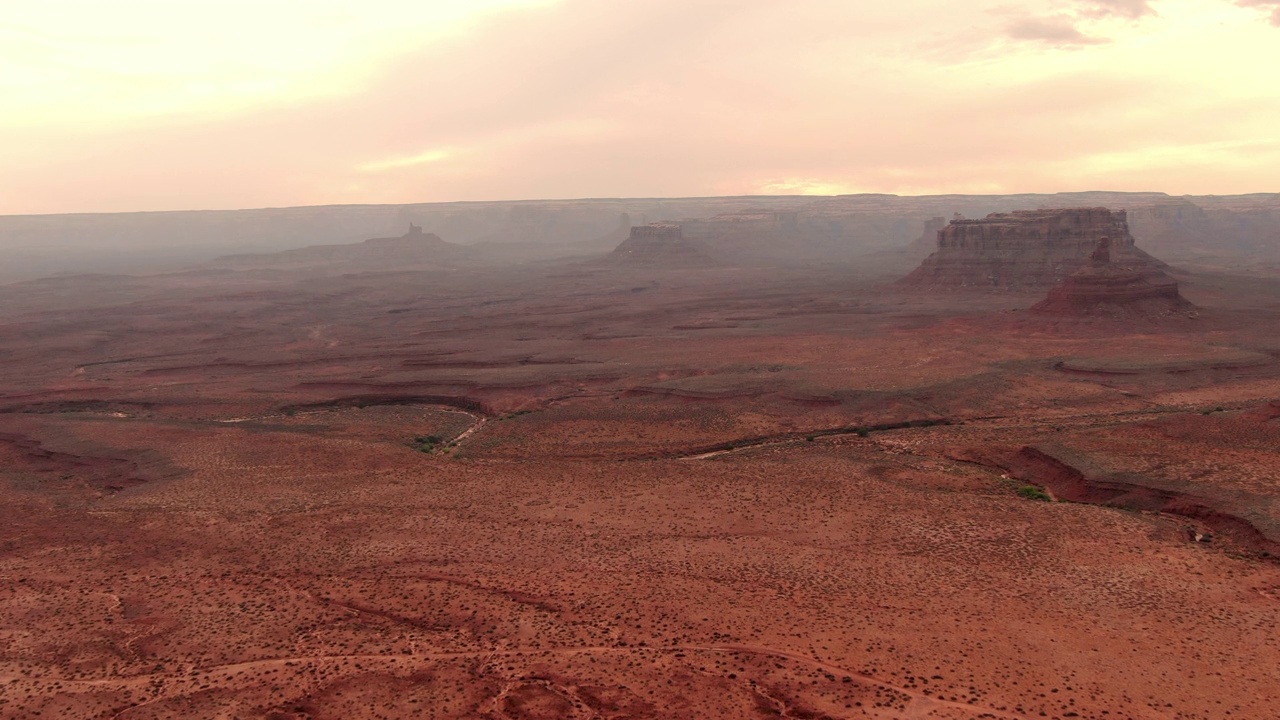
[[924, 245], [413, 249], [660, 244], [742, 226], [749, 236], [1103, 289], [1027, 249], [745, 236]]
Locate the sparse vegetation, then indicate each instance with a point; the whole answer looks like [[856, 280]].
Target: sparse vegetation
[[534, 567], [1031, 492], [427, 443]]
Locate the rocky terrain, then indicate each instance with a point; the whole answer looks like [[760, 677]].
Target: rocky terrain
[[560, 490], [1026, 249]]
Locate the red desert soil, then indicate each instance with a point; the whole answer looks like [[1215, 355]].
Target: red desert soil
[[599, 492]]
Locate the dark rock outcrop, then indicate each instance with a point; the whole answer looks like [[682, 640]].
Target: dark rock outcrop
[[1028, 249]]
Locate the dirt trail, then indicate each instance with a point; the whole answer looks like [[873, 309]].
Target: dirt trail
[[480, 422]]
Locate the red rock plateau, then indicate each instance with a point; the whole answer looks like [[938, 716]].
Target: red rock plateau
[[1105, 289], [1025, 249], [564, 491]]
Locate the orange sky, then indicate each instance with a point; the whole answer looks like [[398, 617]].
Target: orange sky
[[150, 104]]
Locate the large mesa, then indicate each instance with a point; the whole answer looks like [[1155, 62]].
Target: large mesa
[[1027, 249], [1104, 289]]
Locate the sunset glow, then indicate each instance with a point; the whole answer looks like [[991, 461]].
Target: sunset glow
[[142, 105]]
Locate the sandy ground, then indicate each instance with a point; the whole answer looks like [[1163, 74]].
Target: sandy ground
[[579, 493]]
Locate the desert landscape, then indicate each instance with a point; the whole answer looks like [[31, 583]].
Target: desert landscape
[[1038, 476], [640, 360]]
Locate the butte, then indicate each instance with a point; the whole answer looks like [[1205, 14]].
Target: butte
[[1025, 250], [660, 245], [1104, 289]]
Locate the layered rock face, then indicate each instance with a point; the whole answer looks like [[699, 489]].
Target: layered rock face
[[660, 244], [1104, 289], [1027, 249]]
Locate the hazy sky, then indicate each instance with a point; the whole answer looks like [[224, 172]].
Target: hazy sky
[[177, 104]]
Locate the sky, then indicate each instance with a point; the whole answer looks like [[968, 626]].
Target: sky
[[188, 104]]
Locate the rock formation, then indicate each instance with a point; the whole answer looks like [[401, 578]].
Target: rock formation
[[660, 244], [1104, 289], [413, 249], [1026, 249], [750, 235], [924, 245], [1237, 232]]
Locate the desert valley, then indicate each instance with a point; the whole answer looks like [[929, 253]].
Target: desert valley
[[868, 457]]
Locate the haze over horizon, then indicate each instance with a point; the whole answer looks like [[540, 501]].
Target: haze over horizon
[[147, 105]]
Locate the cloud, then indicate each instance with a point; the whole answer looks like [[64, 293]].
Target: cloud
[[422, 158], [1058, 31], [1063, 29], [1272, 5], [803, 186], [666, 97], [1122, 8]]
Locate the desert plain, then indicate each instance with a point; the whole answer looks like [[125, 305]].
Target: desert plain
[[580, 490]]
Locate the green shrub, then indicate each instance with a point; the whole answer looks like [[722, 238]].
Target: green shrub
[[1031, 492]]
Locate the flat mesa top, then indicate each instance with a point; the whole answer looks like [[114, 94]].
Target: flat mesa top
[[1028, 216]]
